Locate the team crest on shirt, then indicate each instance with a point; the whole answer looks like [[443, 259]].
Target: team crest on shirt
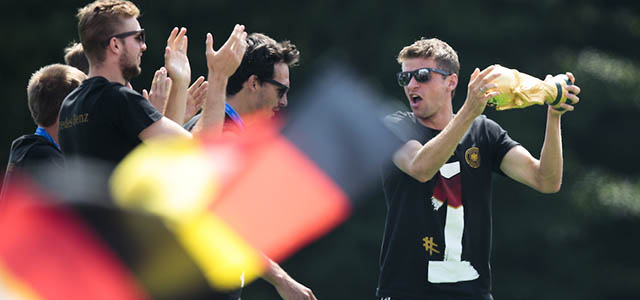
[[472, 156]]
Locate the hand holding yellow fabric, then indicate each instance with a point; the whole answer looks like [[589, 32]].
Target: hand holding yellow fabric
[[520, 90]]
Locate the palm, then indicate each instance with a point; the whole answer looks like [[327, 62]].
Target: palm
[[226, 60], [175, 58], [177, 65]]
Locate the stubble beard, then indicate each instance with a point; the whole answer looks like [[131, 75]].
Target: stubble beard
[[130, 69]]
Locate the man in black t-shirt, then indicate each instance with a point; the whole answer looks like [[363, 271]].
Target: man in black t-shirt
[[256, 91], [32, 153], [103, 119], [437, 238]]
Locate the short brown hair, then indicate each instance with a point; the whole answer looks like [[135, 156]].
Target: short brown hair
[[98, 21], [262, 54], [74, 56], [47, 88], [446, 58]]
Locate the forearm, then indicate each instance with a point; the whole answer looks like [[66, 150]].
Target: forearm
[[437, 151], [550, 172], [274, 274], [212, 117], [177, 102]]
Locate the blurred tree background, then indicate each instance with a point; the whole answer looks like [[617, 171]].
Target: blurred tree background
[[577, 244]]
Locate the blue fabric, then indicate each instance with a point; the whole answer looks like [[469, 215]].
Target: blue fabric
[[41, 132], [233, 115]]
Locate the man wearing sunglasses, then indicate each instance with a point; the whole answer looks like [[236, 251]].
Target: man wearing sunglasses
[[255, 92], [258, 89], [437, 239], [103, 119]]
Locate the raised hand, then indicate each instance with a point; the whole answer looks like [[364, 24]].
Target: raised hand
[[226, 60], [221, 64], [480, 90], [175, 56], [572, 97], [177, 65], [160, 87], [196, 94]]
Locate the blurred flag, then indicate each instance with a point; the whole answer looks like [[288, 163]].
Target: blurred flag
[[268, 192], [46, 252]]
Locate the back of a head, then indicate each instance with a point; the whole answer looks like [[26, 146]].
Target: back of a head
[[446, 58], [98, 21], [262, 53], [74, 56], [47, 88]]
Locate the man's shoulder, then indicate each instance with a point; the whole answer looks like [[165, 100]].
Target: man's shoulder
[[402, 124], [400, 116], [107, 89], [484, 122], [32, 146]]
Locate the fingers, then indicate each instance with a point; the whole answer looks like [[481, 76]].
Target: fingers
[[573, 89], [313, 297], [196, 84], [167, 54], [482, 84], [572, 97], [185, 43], [168, 83], [237, 38], [474, 74], [145, 94], [180, 43], [172, 37], [178, 40], [571, 77], [209, 44], [561, 109]]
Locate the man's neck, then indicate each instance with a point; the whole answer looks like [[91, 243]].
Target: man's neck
[[439, 121], [52, 131], [247, 112], [111, 73], [240, 104]]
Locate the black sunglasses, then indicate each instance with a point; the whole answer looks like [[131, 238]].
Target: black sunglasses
[[421, 75], [282, 89], [139, 37]]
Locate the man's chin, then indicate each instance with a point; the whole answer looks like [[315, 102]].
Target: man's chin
[[131, 73]]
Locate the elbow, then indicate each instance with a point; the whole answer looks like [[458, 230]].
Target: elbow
[[421, 175], [550, 188], [422, 179]]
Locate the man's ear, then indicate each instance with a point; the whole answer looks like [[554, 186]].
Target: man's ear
[[113, 46], [252, 82], [452, 81]]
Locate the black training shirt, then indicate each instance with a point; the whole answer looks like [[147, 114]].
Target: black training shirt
[[437, 238], [102, 120]]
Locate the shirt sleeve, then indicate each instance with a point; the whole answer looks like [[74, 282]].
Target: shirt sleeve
[[400, 124], [501, 142], [135, 113], [192, 123]]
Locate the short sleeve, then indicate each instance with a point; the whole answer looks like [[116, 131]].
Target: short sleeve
[[401, 125], [501, 142], [135, 113], [192, 123]]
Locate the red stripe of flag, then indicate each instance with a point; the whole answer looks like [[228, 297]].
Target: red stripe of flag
[[53, 252]]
